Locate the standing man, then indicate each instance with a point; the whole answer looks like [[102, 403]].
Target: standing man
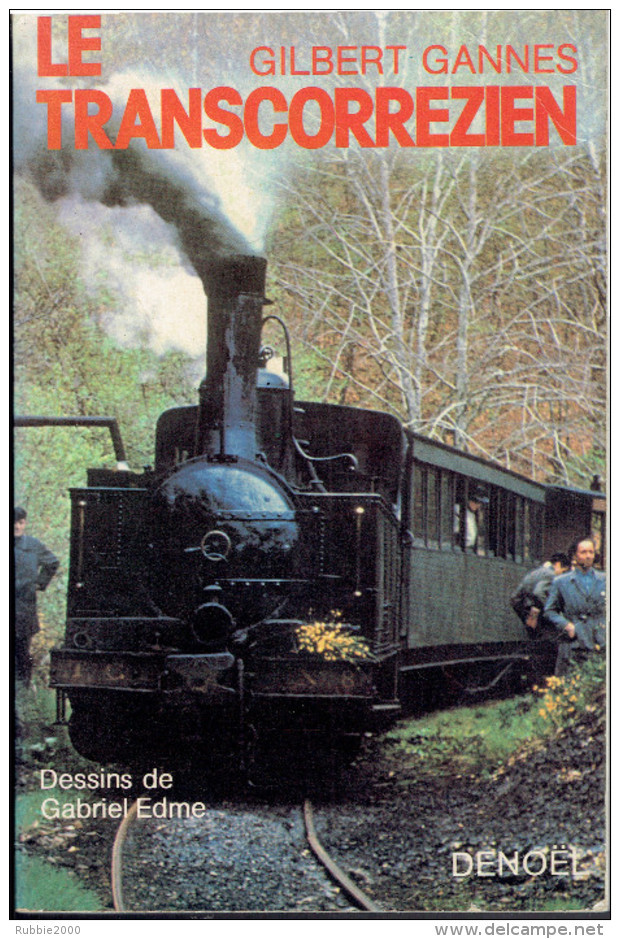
[[35, 565], [528, 600], [467, 535], [576, 607]]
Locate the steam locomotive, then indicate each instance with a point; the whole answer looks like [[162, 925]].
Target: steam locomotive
[[191, 582]]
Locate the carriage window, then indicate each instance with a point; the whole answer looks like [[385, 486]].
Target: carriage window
[[519, 528], [492, 516], [452, 511], [536, 530], [598, 537], [447, 510], [510, 522], [432, 506], [527, 531], [458, 512], [470, 515], [435, 511], [481, 521], [498, 517], [419, 501]]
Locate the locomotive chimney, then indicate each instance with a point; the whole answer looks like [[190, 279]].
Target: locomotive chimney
[[235, 288]]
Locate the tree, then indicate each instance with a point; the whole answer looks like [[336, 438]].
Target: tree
[[449, 290]]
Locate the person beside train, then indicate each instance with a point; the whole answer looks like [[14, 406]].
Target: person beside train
[[528, 600], [576, 608], [35, 565]]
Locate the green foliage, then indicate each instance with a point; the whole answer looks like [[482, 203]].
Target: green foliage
[[465, 740], [37, 738], [65, 365], [562, 699], [40, 886], [477, 740]]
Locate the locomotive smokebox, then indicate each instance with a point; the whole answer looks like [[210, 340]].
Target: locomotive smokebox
[[235, 289]]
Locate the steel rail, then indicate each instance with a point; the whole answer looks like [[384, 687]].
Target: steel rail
[[335, 872], [117, 859]]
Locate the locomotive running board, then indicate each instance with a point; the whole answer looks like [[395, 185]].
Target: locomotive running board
[[388, 707], [440, 663]]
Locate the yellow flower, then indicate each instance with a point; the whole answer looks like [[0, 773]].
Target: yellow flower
[[332, 642]]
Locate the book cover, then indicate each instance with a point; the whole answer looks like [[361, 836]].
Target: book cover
[[309, 375]]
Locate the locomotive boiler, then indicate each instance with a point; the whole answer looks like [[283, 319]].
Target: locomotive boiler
[[193, 583]]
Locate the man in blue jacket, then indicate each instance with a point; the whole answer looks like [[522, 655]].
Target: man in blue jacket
[[576, 607], [35, 565]]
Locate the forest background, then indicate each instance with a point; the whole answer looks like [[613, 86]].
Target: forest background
[[463, 290]]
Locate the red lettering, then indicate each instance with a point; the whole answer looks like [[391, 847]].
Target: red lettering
[[564, 121], [511, 114], [250, 117], [493, 128], [511, 54], [441, 61], [483, 54], [567, 58], [539, 57], [354, 122], [318, 58], [372, 55], [296, 118], [396, 50], [215, 113], [393, 121], [267, 66], [190, 123], [54, 99], [474, 96], [348, 60], [427, 115], [45, 66], [294, 70], [463, 58], [137, 108], [87, 123], [79, 44]]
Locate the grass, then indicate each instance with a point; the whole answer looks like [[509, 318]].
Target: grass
[[477, 740], [466, 740], [40, 886]]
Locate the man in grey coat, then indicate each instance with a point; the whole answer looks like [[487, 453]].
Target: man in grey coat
[[35, 565], [576, 607], [528, 600]]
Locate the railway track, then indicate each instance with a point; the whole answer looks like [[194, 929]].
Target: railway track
[[235, 858]]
